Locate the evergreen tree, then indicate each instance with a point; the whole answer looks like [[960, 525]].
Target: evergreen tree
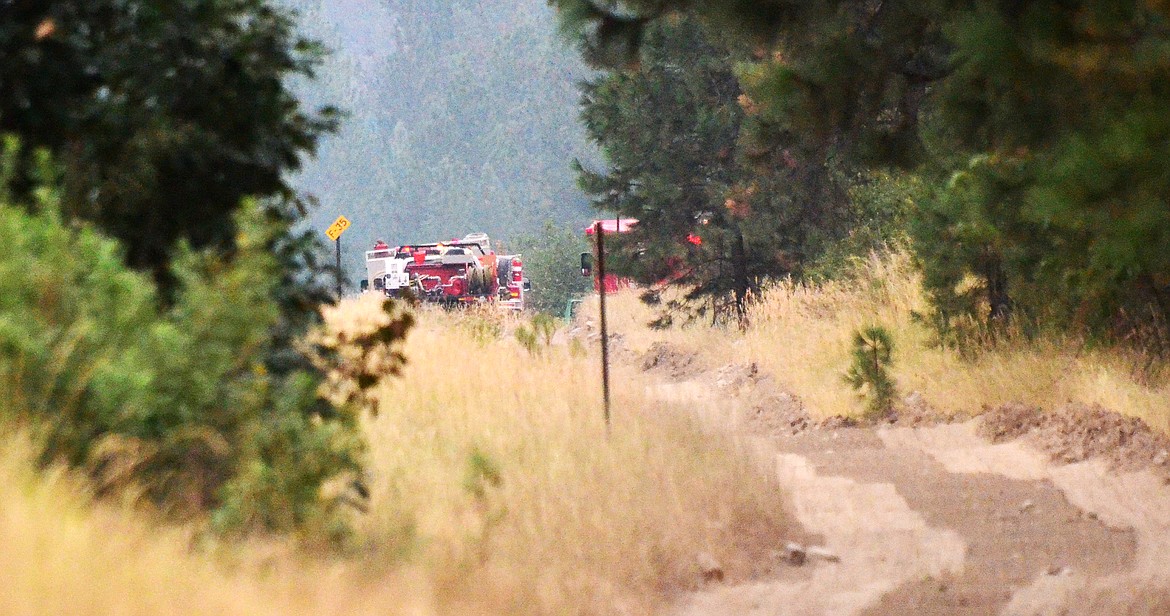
[[715, 215], [163, 114], [1037, 125], [1059, 109], [551, 263]]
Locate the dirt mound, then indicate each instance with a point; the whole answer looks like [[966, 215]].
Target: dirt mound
[[1077, 432], [588, 334], [773, 410], [778, 414], [735, 377], [769, 409], [675, 363], [914, 411]]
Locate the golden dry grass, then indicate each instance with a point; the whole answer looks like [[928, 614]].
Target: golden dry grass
[[495, 490], [801, 335], [579, 522], [62, 553]]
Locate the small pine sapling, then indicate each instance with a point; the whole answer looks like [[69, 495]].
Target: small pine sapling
[[872, 356]]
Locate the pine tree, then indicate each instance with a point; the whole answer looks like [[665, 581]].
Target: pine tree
[[712, 218], [1039, 127]]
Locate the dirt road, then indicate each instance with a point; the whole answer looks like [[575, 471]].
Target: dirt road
[[936, 519]]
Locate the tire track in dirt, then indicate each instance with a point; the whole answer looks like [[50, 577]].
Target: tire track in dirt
[[1136, 502], [882, 542], [932, 520]]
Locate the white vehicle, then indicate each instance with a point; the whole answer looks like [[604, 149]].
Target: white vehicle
[[392, 278], [458, 271], [385, 271]]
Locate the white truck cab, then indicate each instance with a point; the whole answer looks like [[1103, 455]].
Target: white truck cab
[[385, 271]]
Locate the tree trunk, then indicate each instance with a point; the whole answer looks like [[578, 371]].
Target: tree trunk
[[740, 283], [997, 289]]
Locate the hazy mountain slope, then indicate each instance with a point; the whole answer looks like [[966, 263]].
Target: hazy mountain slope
[[463, 118]]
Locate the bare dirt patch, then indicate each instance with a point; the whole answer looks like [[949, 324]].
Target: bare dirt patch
[[672, 362], [1023, 529], [1017, 531], [768, 409], [1030, 542], [1078, 432], [771, 410]]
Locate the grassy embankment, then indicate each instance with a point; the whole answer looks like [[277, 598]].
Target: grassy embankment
[[802, 334], [494, 491]]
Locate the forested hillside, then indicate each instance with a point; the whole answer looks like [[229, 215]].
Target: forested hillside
[[462, 118]]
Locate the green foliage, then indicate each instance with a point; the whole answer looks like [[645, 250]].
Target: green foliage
[[528, 339], [1069, 184], [537, 336], [482, 475], [162, 117], [545, 327], [483, 326], [356, 362], [163, 114], [1039, 127], [551, 262], [177, 402], [869, 370], [674, 132], [961, 249], [882, 204], [482, 481]]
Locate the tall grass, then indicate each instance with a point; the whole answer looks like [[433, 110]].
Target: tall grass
[[495, 465], [495, 491], [63, 553], [59, 554], [801, 334]]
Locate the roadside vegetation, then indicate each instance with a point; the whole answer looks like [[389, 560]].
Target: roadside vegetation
[[494, 472], [979, 182], [952, 205], [494, 489], [803, 334], [551, 262], [1015, 147], [178, 414]]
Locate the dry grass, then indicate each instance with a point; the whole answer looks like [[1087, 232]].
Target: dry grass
[[578, 522], [495, 491], [801, 335], [62, 553]]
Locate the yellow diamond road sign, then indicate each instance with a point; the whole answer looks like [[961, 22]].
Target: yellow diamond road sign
[[337, 228]]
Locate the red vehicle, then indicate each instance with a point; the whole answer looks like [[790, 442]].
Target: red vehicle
[[613, 282], [459, 271], [513, 284]]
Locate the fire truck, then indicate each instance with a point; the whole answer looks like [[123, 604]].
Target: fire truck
[[464, 271], [612, 282]]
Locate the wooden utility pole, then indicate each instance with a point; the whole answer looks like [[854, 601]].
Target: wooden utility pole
[[599, 228]]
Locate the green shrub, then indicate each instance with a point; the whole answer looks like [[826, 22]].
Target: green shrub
[[872, 356], [175, 402], [545, 327], [528, 339], [537, 336]]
